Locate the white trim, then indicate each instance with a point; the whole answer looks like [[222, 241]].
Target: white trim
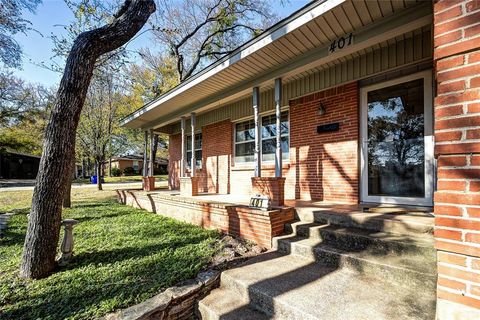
[[428, 140], [262, 115], [197, 132]]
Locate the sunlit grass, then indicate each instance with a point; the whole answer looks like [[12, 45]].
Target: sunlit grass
[[122, 257]]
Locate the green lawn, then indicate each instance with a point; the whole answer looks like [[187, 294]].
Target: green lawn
[[122, 257], [107, 179]]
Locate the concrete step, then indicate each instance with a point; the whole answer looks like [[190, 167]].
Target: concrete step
[[355, 239], [403, 269], [397, 222], [226, 304], [290, 287]]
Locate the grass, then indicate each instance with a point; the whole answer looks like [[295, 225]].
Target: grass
[[123, 256], [107, 179]]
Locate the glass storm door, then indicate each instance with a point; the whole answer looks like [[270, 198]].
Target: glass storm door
[[397, 142]]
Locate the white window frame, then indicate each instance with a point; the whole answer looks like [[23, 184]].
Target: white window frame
[[189, 145], [269, 113], [427, 200]]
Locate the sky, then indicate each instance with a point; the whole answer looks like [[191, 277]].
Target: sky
[[50, 17]]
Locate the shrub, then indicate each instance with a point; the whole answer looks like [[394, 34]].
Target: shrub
[[128, 171], [116, 172]]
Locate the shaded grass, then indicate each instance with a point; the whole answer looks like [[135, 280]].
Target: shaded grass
[[122, 256]]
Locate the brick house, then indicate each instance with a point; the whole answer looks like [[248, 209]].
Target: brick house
[[135, 162], [345, 102]]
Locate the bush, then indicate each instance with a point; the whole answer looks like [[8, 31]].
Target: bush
[[128, 171], [116, 172]]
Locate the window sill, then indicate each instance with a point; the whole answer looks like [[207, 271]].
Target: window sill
[[250, 166]]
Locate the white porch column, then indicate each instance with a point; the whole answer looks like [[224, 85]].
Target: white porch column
[[152, 156], [193, 166], [182, 160], [258, 138], [145, 158], [278, 113]]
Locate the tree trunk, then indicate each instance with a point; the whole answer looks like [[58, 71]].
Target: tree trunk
[[155, 147], [67, 198], [98, 165], [110, 166], [55, 171]]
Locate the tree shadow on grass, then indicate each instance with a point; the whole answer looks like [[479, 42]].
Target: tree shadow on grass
[[125, 253], [91, 292], [102, 216]]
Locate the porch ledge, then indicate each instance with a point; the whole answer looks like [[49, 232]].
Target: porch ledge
[[240, 220]]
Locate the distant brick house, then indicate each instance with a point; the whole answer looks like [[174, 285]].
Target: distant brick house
[[135, 162], [357, 102]]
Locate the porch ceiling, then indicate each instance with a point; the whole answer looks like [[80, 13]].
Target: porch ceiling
[[295, 45]]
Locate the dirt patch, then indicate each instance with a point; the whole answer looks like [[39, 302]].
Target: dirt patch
[[231, 251]]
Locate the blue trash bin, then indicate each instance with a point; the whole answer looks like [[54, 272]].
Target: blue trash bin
[[93, 179]]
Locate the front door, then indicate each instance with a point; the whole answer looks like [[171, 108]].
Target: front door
[[397, 142]]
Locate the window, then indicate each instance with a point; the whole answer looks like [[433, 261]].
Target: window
[[198, 150], [245, 139]]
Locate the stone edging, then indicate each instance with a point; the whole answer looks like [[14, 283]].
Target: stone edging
[[176, 302]]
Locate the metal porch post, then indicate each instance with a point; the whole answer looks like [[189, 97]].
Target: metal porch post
[[182, 160], [278, 113], [193, 166], [152, 141], [258, 160], [145, 147]]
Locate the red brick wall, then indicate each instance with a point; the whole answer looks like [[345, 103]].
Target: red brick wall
[[216, 152], [457, 135], [214, 176], [175, 154], [322, 166], [325, 166]]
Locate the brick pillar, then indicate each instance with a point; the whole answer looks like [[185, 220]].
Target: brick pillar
[[188, 186], [273, 187], [457, 136]]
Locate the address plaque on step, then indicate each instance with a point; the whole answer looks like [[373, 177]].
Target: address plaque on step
[[260, 202]]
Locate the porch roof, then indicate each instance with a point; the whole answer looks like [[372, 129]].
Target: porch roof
[[295, 44]]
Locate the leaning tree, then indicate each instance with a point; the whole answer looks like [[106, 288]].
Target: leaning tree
[[59, 146]]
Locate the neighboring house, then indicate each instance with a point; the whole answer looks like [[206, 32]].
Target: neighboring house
[[136, 162], [377, 104], [17, 165]]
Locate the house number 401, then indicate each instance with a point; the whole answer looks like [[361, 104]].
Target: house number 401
[[341, 43]]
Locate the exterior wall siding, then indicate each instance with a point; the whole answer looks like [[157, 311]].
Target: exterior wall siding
[[321, 166], [457, 128]]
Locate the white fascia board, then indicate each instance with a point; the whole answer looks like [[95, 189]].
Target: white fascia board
[[263, 40]]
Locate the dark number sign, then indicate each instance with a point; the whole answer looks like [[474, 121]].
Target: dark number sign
[[328, 127], [341, 43]]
